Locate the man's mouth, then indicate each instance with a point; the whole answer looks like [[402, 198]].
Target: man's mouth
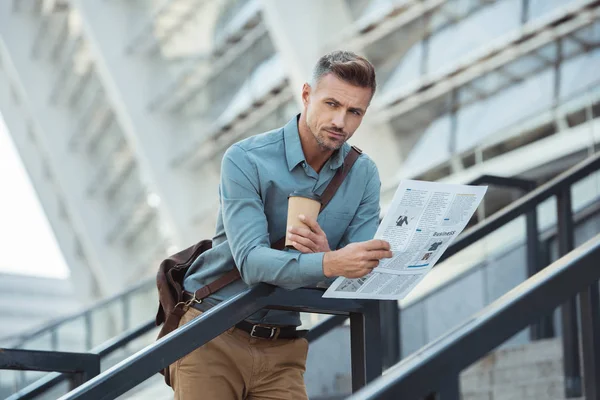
[[337, 135]]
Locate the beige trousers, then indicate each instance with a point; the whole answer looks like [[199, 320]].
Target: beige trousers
[[235, 366]]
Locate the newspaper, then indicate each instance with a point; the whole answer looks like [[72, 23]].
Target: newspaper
[[422, 221]]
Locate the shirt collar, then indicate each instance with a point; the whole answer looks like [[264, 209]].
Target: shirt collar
[[293, 148]]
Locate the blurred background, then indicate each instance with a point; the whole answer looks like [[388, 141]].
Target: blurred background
[[115, 114]]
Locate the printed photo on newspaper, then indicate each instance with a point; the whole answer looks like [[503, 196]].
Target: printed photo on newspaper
[[421, 222]]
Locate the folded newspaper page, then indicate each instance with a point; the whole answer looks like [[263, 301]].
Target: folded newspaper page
[[422, 221]]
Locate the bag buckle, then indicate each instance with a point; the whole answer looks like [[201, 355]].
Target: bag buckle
[[189, 303], [271, 335]]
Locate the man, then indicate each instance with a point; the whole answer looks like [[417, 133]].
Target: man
[[257, 174]]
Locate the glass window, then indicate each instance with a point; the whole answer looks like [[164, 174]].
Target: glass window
[[480, 120], [578, 73], [454, 42], [409, 69], [432, 148]]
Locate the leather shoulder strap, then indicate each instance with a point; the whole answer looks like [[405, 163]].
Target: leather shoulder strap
[[339, 176], [326, 197]]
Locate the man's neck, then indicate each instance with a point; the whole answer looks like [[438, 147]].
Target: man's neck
[[315, 155]]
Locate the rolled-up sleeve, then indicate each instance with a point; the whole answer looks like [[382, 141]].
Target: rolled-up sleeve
[[366, 220], [246, 228]]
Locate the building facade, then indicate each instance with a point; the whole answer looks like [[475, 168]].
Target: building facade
[[122, 110]]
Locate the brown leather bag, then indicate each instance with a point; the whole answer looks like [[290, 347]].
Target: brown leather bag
[[172, 270]]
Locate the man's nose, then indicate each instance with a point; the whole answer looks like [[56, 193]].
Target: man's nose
[[339, 119]]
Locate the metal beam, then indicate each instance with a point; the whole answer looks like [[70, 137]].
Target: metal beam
[[87, 220], [570, 335], [524, 204], [190, 91], [150, 135], [532, 37], [325, 326], [589, 306], [429, 368], [50, 361], [355, 40]]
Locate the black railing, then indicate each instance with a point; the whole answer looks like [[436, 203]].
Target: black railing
[[122, 300], [364, 322], [79, 366], [50, 380], [561, 188], [361, 364], [434, 370]]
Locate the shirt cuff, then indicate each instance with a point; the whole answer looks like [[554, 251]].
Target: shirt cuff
[[311, 266]]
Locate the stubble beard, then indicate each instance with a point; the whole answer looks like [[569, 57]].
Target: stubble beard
[[325, 144]]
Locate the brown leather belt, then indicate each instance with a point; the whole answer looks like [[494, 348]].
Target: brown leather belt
[[255, 330]]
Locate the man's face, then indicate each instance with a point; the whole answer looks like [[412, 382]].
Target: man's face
[[334, 110]]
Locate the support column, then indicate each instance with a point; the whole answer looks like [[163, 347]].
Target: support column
[[131, 82], [298, 30], [32, 81], [24, 140]]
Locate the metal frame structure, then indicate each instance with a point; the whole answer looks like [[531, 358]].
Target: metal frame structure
[[81, 366], [543, 328], [436, 367], [48, 382], [364, 322], [560, 187], [96, 354], [526, 205], [531, 38]]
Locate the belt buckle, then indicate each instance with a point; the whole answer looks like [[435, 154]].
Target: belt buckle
[[271, 336]]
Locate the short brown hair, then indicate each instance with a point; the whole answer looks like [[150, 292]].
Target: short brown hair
[[347, 66]]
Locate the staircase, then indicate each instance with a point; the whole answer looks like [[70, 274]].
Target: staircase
[[517, 370], [533, 371]]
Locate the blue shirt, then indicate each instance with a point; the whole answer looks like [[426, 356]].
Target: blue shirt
[[257, 175]]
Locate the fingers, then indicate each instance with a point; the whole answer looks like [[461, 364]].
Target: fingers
[[363, 271], [304, 236], [301, 248], [376, 244], [379, 254], [311, 223], [303, 241]]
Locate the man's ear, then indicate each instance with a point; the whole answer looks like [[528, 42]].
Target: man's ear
[[306, 94]]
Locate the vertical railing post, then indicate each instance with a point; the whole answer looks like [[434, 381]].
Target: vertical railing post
[[365, 345], [570, 338], [54, 338], [88, 330], [589, 303], [450, 390], [126, 307], [544, 328], [390, 332], [373, 345]]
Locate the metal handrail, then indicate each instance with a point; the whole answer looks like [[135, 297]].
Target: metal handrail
[[524, 204], [499, 219], [105, 349], [435, 367], [364, 321], [19, 339]]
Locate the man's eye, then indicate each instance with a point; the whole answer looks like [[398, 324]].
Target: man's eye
[[329, 103], [357, 113]]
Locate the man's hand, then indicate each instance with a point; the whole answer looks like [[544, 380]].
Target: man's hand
[[356, 259], [308, 240]]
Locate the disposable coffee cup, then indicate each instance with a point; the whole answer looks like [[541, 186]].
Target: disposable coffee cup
[[305, 203]]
